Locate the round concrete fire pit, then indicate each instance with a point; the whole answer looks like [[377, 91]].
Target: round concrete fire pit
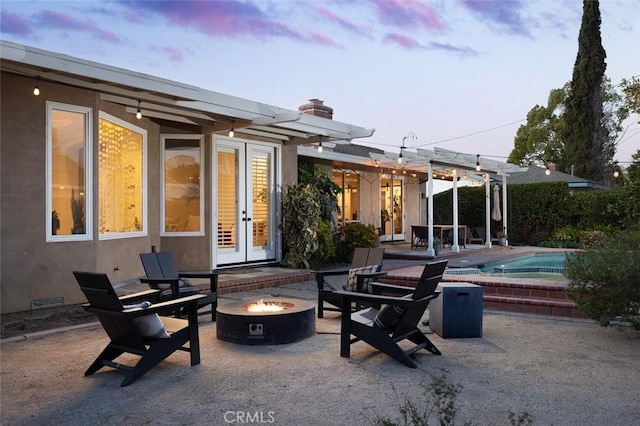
[[285, 321]]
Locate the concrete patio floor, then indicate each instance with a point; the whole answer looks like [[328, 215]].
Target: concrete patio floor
[[561, 372]]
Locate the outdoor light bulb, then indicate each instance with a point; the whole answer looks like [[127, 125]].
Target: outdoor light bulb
[[400, 159], [547, 172], [616, 174], [478, 167], [139, 114], [231, 133], [36, 90], [320, 147]]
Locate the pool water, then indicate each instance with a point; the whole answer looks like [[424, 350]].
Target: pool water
[[538, 265]]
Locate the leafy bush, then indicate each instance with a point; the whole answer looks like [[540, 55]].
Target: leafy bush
[[354, 235], [440, 402], [588, 239], [326, 252], [605, 279], [301, 217]]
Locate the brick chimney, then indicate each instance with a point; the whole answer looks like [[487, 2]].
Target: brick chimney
[[552, 166], [316, 107]]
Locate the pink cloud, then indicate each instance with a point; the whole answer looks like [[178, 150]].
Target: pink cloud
[[504, 13], [218, 18], [174, 54], [324, 40], [12, 23], [461, 51], [408, 14], [63, 21], [402, 40], [342, 22]]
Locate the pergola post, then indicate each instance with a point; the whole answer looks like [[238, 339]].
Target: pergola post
[[487, 209], [454, 245], [430, 250]]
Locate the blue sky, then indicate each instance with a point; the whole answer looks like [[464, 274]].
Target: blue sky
[[458, 74]]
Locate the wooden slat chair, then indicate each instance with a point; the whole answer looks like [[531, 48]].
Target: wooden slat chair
[[396, 321], [126, 327], [362, 257], [162, 274]]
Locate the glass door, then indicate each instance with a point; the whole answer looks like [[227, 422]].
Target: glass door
[[245, 202], [392, 208]]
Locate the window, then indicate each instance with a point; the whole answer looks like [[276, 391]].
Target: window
[[183, 209], [349, 199], [68, 178], [122, 178]]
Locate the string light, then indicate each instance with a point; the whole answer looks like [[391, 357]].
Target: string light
[[232, 132], [36, 88], [547, 171], [320, 147], [139, 112], [477, 162]]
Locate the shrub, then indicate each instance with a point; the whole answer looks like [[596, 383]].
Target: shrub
[[588, 239], [356, 235], [301, 217], [326, 252], [605, 279]]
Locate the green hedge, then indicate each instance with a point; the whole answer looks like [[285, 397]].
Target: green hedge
[[537, 211]]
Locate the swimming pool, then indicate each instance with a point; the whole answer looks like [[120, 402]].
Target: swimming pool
[[537, 265]]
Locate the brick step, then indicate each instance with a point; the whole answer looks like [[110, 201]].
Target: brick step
[[512, 295], [528, 305]]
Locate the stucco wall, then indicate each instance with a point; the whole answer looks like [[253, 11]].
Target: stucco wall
[[31, 268]]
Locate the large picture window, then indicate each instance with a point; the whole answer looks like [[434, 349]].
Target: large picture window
[[68, 177], [122, 178], [183, 211]]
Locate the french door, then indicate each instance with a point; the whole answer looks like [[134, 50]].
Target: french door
[[392, 208], [245, 202]]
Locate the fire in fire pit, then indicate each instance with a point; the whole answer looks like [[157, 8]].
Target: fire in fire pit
[[260, 306], [266, 322]]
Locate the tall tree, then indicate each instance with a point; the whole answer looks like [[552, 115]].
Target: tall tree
[[584, 135], [539, 141]]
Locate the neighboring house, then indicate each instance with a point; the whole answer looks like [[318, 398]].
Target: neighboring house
[[536, 174], [104, 163]]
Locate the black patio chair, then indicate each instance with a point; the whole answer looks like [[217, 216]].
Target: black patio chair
[[363, 263], [397, 320], [162, 274], [138, 330]]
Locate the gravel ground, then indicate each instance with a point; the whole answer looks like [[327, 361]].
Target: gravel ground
[[560, 372]]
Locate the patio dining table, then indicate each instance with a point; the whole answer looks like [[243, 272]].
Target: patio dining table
[[420, 231]]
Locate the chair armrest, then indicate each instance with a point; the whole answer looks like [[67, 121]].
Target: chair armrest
[[174, 283], [140, 295], [387, 300], [320, 275], [361, 276], [378, 288], [212, 275]]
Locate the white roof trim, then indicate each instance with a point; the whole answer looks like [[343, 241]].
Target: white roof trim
[[174, 99]]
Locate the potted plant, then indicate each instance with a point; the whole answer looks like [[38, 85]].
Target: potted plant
[[437, 245], [55, 222], [502, 237], [77, 211]]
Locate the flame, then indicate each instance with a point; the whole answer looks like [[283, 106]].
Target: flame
[[261, 306]]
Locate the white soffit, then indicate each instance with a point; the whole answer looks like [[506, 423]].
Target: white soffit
[[165, 99]]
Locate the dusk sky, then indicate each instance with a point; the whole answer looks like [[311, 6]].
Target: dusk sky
[[458, 74]]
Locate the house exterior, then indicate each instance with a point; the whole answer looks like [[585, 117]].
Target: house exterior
[[100, 164]]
